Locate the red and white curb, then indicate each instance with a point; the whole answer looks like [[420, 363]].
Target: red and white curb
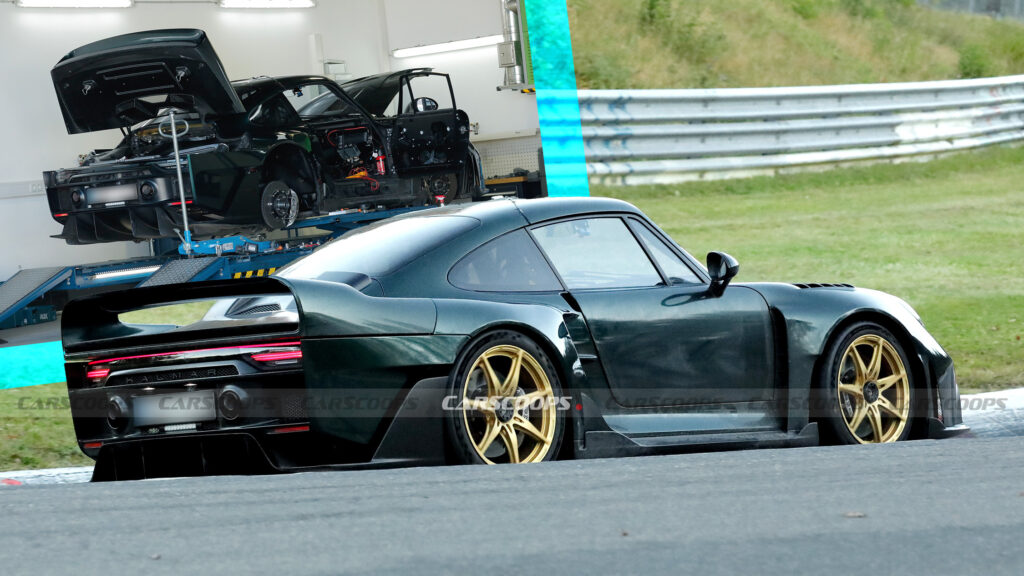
[[46, 476]]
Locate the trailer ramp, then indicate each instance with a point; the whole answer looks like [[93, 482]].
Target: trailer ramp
[[180, 271], [28, 285]]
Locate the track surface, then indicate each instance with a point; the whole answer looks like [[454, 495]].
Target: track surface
[[942, 507]]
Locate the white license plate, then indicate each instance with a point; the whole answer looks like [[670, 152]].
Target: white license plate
[[162, 409]]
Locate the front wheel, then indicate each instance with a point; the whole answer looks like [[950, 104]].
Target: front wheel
[[508, 400], [867, 387]]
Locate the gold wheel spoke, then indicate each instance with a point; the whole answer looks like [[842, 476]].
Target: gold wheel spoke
[[529, 399], [887, 382], [875, 418], [508, 388], [493, 383], [493, 430], [478, 404], [508, 434], [858, 363], [528, 427], [851, 390], [876, 360], [884, 404]]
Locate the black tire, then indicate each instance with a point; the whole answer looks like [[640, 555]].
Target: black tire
[[864, 402], [536, 400], [279, 205]]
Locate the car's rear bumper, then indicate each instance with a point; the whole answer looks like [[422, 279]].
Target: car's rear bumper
[[120, 224], [136, 202]]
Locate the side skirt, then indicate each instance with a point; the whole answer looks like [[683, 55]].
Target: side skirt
[[610, 444]]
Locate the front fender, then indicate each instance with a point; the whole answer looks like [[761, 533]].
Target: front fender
[[808, 318]]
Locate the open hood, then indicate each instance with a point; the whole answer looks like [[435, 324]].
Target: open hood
[[374, 93], [127, 79]]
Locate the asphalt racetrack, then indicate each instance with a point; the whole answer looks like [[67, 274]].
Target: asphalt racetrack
[[927, 507]]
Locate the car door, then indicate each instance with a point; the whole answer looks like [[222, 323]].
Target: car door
[[430, 133], [662, 337]]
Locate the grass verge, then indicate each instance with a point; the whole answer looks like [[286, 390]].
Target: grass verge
[[35, 429]]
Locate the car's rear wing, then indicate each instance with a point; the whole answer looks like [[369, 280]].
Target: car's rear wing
[[95, 325]]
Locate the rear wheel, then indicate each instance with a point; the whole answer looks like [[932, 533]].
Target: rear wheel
[[867, 387], [508, 402]]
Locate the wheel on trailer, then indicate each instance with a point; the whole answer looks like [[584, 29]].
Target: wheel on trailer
[[279, 205], [441, 188], [508, 402], [867, 387]]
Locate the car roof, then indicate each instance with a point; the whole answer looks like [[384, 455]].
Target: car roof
[[534, 210], [540, 209]]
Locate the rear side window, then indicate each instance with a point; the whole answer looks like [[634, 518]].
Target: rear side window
[[509, 263], [673, 267], [380, 248], [596, 253]]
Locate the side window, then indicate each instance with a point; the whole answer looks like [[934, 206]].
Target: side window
[[596, 253], [274, 114], [673, 267], [426, 93], [302, 95], [509, 263]]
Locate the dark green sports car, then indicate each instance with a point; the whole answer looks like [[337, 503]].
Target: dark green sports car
[[496, 332]]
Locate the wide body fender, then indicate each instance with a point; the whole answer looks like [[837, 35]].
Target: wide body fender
[[807, 319], [362, 354]]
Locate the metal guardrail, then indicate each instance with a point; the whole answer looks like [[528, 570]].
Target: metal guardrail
[[665, 136]]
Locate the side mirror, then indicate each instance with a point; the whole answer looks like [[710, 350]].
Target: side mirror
[[425, 104], [722, 269]]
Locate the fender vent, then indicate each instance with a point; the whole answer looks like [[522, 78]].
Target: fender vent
[[816, 285], [261, 309]]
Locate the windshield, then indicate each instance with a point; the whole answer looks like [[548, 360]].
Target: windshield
[[379, 249], [326, 104]]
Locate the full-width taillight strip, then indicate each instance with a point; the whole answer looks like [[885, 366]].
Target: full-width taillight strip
[[272, 356], [156, 355]]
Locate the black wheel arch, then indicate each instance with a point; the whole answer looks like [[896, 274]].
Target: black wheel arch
[[290, 162]]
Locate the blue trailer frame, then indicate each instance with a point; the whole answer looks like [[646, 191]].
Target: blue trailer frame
[[236, 257]]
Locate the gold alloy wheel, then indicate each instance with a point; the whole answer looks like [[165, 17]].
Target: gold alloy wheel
[[508, 395], [874, 390]]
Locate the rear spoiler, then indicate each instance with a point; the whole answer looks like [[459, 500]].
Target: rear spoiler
[[91, 324], [327, 309]]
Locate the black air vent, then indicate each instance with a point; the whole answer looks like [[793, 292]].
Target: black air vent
[[261, 309], [815, 285]]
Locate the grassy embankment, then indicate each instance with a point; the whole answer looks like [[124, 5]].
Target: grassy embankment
[[745, 43]]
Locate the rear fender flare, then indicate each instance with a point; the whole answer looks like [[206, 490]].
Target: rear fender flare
[[290, 162]]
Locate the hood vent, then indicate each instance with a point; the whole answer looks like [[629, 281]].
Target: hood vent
[[817, 285]]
